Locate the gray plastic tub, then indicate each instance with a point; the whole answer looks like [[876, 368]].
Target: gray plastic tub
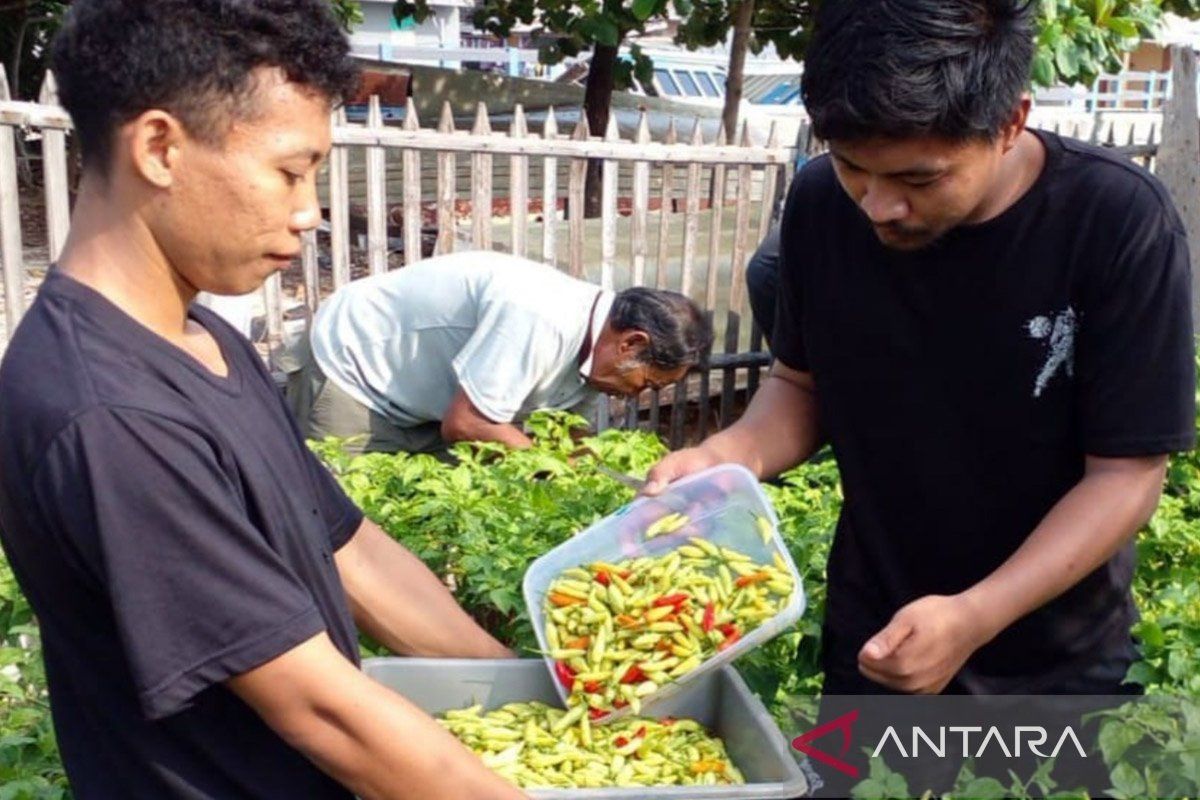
[[720, 700]]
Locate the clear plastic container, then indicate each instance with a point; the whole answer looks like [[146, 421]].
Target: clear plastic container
[[722, 505], [721, 702]]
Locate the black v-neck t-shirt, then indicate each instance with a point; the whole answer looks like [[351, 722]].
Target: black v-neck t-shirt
[[171, 530], [962, 385]]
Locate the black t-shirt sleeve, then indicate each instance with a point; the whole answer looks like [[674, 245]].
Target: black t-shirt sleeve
[[342, 516], [787, 339], [1136, 351], [198, 595]]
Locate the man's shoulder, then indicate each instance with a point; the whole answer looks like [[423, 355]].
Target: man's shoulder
[[1110, 183], [63, 370]]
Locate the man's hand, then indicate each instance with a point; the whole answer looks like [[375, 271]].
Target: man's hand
[[925, 645], [678, 465]]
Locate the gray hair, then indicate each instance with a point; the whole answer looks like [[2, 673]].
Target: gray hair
[[680, 331]]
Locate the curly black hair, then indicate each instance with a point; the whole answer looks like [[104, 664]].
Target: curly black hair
[[115, 59], [903, 68]]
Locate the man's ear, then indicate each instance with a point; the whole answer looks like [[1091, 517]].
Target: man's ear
[[153, 142], [632, 342], [1016, 123]]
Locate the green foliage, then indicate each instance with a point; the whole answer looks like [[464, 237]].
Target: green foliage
[[1080, 39], [348, 12], [481, 522], [1077, 39], [30, 768]]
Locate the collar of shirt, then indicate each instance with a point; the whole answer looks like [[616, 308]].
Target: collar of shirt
[[599, 317]]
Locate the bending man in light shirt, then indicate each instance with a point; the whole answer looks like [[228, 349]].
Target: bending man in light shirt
[[463, 347]]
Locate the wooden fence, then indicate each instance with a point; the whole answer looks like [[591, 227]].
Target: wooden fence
[[681, 213]]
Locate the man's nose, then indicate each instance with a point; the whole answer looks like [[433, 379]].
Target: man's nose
[[883, 204]]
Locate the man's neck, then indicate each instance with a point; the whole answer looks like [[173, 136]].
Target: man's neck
[[1019, 170], [114, 252]]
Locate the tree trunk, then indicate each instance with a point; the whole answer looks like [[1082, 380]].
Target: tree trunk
[[597, 99], [742, 18], [14, 64]]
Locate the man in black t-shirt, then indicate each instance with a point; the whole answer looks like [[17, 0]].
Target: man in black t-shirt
[[196, 573], [991, 328]]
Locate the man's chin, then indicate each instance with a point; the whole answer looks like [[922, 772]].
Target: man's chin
[[905, 241]]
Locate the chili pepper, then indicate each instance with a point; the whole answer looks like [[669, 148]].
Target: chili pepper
[[566, 675], [620, 702], [603, 579], [593, 687], [620, 741], [578, 644], [671, 600], [729, 629], [730, 641], [626, 621], [633, 675], [596, 713], [710, 615], [749, 580], [559, 599]]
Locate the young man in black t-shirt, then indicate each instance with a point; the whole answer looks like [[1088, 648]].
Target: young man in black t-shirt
[[196, 573], [991, 328]]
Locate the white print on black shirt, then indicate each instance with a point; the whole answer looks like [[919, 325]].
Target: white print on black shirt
[[1061, 332]]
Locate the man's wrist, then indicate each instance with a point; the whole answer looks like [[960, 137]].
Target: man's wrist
[[988, 612]]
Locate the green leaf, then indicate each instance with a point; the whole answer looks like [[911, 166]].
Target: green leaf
[[1043, 69], [1123, 26], [644, 9], [1115, 738], [1066, 58], [985, 789], [601, 30], [1128, 781]]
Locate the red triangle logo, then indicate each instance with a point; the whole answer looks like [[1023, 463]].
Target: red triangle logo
[[843, 724]]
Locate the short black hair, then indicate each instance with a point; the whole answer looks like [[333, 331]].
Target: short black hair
[[903, 68], [680, 332], [116, 59]]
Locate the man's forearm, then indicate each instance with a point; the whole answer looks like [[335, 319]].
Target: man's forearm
[[397, 600], [505, 433], [779, 429], [367, 737], [1082, 531]]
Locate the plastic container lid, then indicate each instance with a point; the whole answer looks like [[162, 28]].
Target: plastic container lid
[[722, 504]]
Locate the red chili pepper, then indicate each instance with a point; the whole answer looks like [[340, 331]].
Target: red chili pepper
[[710, 616], [566, 675], [729, 641], [633, 675], [729, 629], [671, 600], [602, 578], [753, 578], [620, 702], [596, 713], [620, 741], [625, 574], [591, 687], [640, 732]]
